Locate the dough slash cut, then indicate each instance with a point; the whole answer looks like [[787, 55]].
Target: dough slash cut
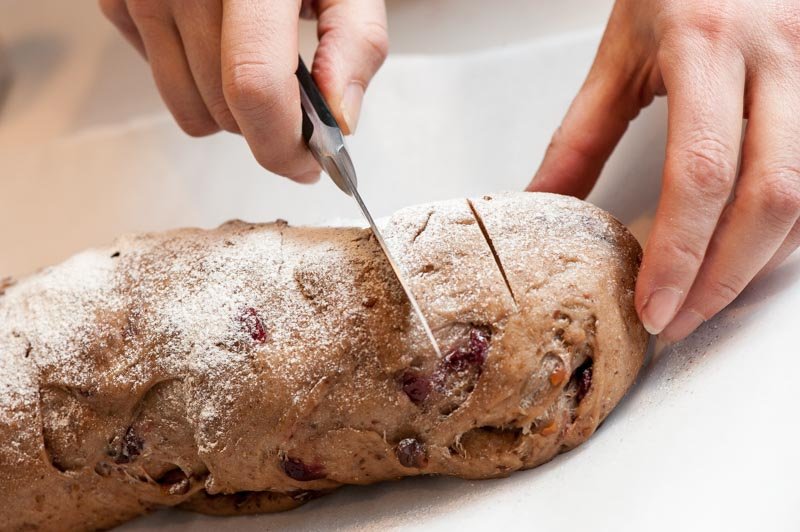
[[491, 247]]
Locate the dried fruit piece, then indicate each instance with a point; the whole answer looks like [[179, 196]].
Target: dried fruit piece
[[174, 482], [448, 373], [412, 453], [471, 355], [130, 447], [296, 469], [558, 376], [549, 429], [583, 375], [103, 468], [240, 498], [252, 325], [560, 315], [416, 386]]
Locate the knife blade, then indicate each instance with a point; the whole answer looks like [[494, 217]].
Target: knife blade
[[326, 142]]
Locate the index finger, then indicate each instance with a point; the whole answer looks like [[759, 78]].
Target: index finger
[[259, 60], [705, 88]]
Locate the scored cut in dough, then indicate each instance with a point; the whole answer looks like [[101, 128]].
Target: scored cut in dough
[[251, 368]]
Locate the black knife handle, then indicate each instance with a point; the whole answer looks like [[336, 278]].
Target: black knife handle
[[315, 97]]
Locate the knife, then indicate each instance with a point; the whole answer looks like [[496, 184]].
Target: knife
[[326, 142]]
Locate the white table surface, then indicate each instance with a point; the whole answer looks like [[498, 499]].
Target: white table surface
[[706, 440]]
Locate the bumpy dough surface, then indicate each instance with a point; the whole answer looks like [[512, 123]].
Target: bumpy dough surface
[[251, 368]]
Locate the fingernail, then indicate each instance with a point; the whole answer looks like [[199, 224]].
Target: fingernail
[[684, 323], [660, 308], [351, 105]]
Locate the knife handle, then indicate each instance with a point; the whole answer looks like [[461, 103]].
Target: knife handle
[[309, 86]]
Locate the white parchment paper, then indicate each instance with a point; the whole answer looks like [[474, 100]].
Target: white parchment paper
[[707, 439]]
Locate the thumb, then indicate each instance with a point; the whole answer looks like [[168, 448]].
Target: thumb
[[591, 129], [353, 42]]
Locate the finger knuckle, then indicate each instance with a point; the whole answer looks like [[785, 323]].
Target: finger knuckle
[[708, 21], [779, 195], [712, 23], [581, 147], [376, 40], [684, 249], [248, 86], [724, 290], [668, 53], [710, 165], [372, 40], [788, 24]]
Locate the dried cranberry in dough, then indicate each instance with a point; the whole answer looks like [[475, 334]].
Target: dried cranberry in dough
[[416, 386], [411, 453], [296, 469], [471, 355], [253, 325]]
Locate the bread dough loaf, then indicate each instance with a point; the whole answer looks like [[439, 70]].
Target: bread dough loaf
[[251, 367]]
